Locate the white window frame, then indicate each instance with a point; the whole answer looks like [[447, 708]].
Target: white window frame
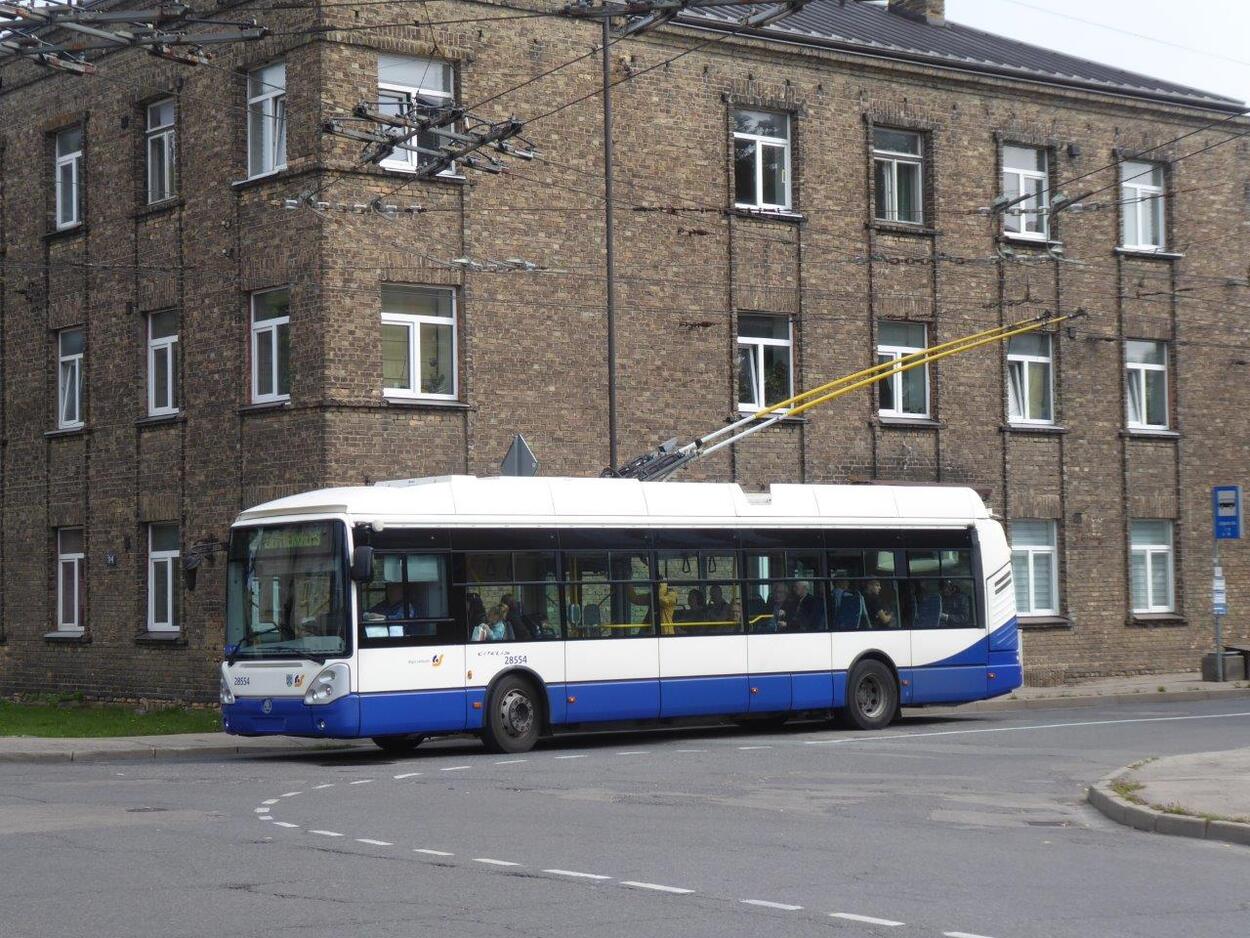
[[165, 135], [1042, 211], [1135, 191], [267, 331], [1030, 553], [1154, 554], [271, 103], [408, 161], [72, 362], [761, 141], [1136, 375], [890, 197], [75, 559], [412, 322], [73, 199], [168, 347], [1024, 361], [895, 381], [757, 345], [168, 559]]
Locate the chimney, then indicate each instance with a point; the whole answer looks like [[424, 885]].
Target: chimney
[[932, 12]]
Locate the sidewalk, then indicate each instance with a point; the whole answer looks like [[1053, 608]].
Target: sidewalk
[[1203, 795], [1155, 687]]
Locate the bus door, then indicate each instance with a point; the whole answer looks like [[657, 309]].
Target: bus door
[[411, 662], [703, 650], [949, 651]]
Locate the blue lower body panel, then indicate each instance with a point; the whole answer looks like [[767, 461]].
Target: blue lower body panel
[[956, 684], [290, 716], [613, 700], [701, 696], [770, 693], [814, 690], [412, 712]]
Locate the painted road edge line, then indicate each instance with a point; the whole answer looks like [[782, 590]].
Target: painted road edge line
[[576, 874], [657, 887], [866, 919], [772, 905]]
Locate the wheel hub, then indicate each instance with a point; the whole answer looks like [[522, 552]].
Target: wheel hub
[[516, 713], [870, 696]]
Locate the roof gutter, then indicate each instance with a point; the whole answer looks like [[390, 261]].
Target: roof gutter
[[1002, 71]]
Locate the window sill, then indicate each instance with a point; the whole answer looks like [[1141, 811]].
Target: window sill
[[903, 228], [162, 639], [67, 637], [1046, 429], [158, 208], [1021, 241], [65, 234], [907, 423], [458, 179], [63, 432], [1143, 433], [1046, 623], [1155, 620], [160, 420], [424, 403], [767, 214], [1149, 254], [250, 181], [786, 419], [264, 407]]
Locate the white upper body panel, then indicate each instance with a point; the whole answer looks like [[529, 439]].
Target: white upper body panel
[[468, 501]]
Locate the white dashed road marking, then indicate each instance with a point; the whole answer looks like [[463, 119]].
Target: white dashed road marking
[[406, 775], [362, 781], [576, 874], [866, 919], [962, 934], [327, 833], [455, 768], [746, 748], [691, 750], [291, 794], [326, 785], [270, 801], [773, 905], [264, 817], [490, 862], [260, 810], [374, 843], [512, 761], [578, 756], [285, 824], [657, 887], [633, 752], [433, 853]]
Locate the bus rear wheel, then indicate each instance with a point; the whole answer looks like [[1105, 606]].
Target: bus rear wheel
[[871, 696], [399, 745], [513, 716]]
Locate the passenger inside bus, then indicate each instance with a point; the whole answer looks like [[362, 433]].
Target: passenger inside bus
[[393, 605], [956, 605], [881, 605], [717, 608], [493, 629], [808, 614]]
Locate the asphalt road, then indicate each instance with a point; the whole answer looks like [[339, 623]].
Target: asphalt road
[[960, 826]]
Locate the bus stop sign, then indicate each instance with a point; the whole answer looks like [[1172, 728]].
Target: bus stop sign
[[1226, 508]]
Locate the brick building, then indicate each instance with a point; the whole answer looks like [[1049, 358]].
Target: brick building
[[793, 203]]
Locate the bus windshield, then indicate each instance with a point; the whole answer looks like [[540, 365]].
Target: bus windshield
[[287, 592]]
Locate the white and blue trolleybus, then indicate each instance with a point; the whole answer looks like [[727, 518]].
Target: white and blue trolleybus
[[512, 607]]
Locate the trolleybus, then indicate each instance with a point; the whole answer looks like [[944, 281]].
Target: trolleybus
[[513, 607]]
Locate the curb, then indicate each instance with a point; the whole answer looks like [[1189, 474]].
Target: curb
[[1090, 700], [159, 752], [1145, 818]]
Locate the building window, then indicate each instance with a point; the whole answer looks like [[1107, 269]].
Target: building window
[[765, 361], [905, 394], [898, 175], [163, 556], [163, 363], [1030, 379], [266, 119], [761, 160], [71, 343], [69, 579], [271, 346], [1034, 567], [1151, 567], [69, 178], [414, 87], [1147, 383], [418, 342], [160, 150], [1025, 174], [1141, 206]]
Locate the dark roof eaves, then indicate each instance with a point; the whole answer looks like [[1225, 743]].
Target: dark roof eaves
[[1225, 105]]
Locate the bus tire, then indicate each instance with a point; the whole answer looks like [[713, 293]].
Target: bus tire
[[871, 696], [399, 745], [514, 716]]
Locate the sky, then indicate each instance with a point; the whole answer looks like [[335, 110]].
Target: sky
[[1201, 43]]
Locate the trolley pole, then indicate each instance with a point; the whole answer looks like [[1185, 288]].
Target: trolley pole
[[609, 230]]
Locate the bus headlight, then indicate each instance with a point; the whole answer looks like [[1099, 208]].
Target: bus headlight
[[329, 685], [225, 693]]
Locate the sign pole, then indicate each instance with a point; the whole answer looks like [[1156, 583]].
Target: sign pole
[[1226, 526], [1217, 591]]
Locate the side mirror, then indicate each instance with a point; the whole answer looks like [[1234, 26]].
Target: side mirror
[[362, 564]]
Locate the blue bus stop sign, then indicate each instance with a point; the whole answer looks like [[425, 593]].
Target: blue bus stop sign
[[1226, 508]]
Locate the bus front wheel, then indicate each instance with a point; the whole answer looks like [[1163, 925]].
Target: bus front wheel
[[871, 696], [513, 717]]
